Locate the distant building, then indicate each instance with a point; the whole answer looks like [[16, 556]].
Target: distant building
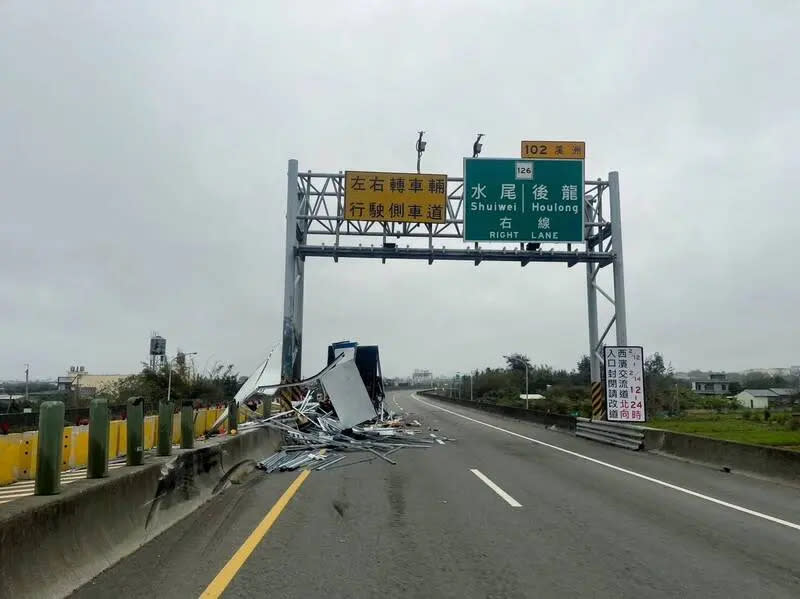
[[80, 381], [784, 397], [716, 383], [769, 371], [421, 377], [765, 398], [532, 396]]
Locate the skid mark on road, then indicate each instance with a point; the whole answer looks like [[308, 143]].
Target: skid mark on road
[[714, 500]]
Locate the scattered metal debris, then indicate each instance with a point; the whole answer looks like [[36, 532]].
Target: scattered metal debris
[[321, 439]]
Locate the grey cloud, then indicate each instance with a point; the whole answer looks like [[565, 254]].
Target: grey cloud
[[144, 150]]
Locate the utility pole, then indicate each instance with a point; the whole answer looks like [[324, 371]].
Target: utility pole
[[470, 387], [527, 406], [516, 362], [27, 371]]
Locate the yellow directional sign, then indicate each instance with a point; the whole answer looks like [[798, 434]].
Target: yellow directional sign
[[395, 197], [554, 150]]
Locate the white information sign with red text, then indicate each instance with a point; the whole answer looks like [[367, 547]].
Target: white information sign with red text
[[624, 383]]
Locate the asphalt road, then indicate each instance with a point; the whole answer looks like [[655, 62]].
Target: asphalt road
[[579, 519]]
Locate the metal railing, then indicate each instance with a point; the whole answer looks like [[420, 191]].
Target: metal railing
[[612, 433]]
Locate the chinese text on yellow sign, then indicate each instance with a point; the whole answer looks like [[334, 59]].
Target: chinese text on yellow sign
[[554, 150], [395, 197]]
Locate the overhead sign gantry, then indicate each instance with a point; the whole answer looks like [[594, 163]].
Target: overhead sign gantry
[[554, 215]]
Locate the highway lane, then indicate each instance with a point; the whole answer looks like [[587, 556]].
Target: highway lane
[[431, 526]]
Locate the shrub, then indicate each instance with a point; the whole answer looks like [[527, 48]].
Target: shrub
[[781, 418], [747, 415]]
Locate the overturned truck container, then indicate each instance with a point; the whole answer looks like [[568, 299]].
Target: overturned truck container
[[367, 359]]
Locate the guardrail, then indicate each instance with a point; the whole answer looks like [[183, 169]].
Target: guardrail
[[563, 421], [19, 451], [50, 545], [612, 433]]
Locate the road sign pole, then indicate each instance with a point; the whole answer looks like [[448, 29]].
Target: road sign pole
[[592, 270], [591, 298], [619, 269], [591, 302], [300, 279], [292, 292]]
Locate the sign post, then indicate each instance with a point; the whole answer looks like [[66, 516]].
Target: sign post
[[624, 370], [508, 199]]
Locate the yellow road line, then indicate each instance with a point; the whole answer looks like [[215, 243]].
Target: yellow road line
[[223, 579]]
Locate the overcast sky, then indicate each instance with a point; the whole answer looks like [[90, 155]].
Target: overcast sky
[[144, 147]]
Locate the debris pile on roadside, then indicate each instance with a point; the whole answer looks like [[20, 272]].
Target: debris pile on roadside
[[337, 415], [316, 440]]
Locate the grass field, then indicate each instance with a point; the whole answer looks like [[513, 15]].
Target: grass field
[[732, 427]]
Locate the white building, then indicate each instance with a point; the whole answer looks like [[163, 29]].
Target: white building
[[763, 398], [715, 384], [80, 381]]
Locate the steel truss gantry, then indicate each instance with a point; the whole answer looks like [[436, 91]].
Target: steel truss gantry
[[315, 209]]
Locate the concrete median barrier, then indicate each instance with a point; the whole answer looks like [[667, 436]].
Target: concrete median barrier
[[49, 546], [770, 462]]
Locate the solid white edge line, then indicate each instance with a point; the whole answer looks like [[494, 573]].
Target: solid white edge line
[[508, 499], [656, 481]]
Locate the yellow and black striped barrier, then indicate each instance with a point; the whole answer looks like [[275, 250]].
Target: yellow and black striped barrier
[[598, 401], [286, 395]]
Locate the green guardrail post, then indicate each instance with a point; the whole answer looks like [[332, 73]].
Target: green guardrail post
[[97, 466], [164, 428], [233, 416], [187, 425], [135, 455], [48, 454]]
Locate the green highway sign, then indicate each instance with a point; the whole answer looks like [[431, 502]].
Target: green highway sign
[[508, 199]]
